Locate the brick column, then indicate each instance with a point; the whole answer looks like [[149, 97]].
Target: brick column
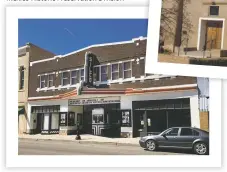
[[204, 120]]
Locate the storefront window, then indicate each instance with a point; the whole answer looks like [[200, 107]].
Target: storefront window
[[44, 109], [71, 118], [98, 119], [55, 121]]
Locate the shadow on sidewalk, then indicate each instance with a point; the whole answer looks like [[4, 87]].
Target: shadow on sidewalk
[[184, 151]]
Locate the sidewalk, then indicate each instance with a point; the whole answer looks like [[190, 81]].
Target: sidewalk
[[85, 138]]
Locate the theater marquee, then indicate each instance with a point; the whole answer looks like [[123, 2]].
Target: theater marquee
[[106, 100]]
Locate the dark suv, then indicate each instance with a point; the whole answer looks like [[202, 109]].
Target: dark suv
[[178, 137]]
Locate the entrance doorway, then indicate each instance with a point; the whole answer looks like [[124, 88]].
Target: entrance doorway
[[102, 119], [214, 34], [210, 33]]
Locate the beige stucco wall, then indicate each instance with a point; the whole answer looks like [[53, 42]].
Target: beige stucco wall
[[200, 9], [23, 94]]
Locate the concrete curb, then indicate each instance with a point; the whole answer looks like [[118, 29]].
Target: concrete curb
[[85, 142]]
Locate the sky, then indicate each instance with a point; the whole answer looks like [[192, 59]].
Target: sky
[[62, 36]]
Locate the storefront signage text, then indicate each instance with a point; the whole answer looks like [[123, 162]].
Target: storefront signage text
[[92, 101]]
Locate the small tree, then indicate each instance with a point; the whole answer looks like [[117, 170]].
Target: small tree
[[174, 20]]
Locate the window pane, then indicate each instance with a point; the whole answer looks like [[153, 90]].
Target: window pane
[[186, 132], [104, 77], [65, 81], [115, 76], [43, 78], [73, 73], [127, 74], [114, 67], [54, 121], [50, 84], [103, 69], [214, 10], [65, 74], [82, 72], [195, 133], [22, 79], [42, 84], [73, 81], [127, 65], [96, 74], [51, 77], [173, 132]]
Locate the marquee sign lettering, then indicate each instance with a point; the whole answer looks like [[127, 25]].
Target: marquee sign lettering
[[73, 102]]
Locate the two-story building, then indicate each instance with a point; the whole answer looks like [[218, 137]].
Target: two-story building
[[201, 25], [103, 90], [25, 53]]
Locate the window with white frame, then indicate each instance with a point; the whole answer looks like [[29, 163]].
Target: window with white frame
[[127, 69], [82, 74], [50, 80], [42, 81], [65, 78], [115, 71], [74, 78], [104, 73]]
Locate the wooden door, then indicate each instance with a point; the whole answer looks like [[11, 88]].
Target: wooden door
[[214, 34]]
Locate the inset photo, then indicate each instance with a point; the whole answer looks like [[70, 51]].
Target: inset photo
[[190, 33]]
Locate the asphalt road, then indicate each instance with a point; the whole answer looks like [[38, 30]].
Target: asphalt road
[[50, 147]]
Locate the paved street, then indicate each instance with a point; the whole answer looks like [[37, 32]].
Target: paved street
[[49, 147]]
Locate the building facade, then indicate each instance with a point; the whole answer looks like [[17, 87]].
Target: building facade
[[207, 22], [25, 53], [103, 90]]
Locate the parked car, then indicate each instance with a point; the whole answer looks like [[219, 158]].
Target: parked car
[[178, 137]]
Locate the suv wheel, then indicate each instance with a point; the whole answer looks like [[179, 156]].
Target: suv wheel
[[151, 145], [200, 148]]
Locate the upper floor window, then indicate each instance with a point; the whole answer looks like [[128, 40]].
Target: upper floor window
[[127, 69], [65, 78], [214, 10], [42, 81], [104, 73], [74, 78], [96, 73], [82, 74], [21, 78], [115, 71], [50, 80]]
